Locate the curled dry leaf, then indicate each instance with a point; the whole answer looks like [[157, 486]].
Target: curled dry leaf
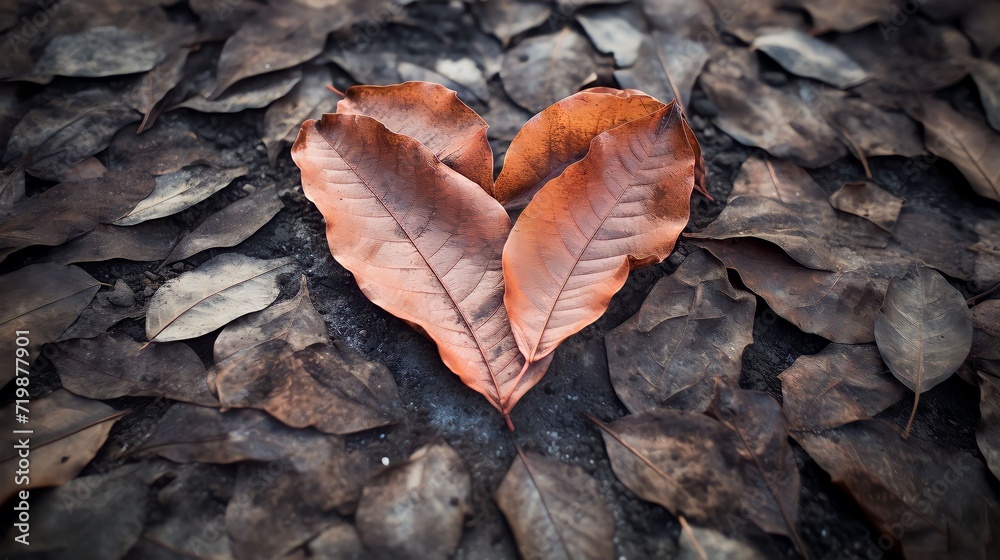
[[840, 384], [230, 226], [870, 201], [809, 57], [43, 299], [988, 433], [333, 389], [255, 93], [206, 298], [667, 67], [561, 135], [923, 331], [944, 500], [180, 190], [505, 19], [189, 433], [663, 456], [95, 517], [105, 368], [416, 509], [67, 433], [756, 114], [527, 68], [692, 328], [70, 209], [429, 255], [555, 509], [628, 201], [972, 146], [295, 321], [770, 472], [284, 116], [434, 116], [614, 30]]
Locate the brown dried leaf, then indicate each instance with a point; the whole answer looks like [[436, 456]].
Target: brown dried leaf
[[561, 135], [206, 298], [505, 19], [697, 543], [148, 241], [416, 509], [107, 368], [988, 434], [230, 226], [541, 70], [944, 501], [555, 509], [556, 289], [972, 146], [873, 130], [332, 388], [67, 433], [870, 201], [180, 190], [840, 384], [692, 328], [295, 321], [667, 67], [923, 330], [283, 117], [434, 116], [42, 299], [255, 93], [437, 268], [805, 55], [664, 457]]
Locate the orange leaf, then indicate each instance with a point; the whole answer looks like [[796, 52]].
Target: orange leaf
[[433, 115], [623, 205], [561, 135], [423, 241]]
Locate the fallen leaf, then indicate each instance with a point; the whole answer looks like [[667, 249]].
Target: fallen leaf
[[937, 240], [284, 116], [70, 209], [340, 541], [468, 90], [331, 388], [845, 15], [206, 298], [747, 20], [437, 268], [67, 432], [664, 456], [869, 201], [667, 67], [505, 19], [977, 23], [555, 509], [541, 70], [95, 517], [189, 433], [971, 145], [177, 191], [679, 18], [295, 321], [230, 226], [11, 185], [308, 486], [629, 199], [106, 368], [170, 146], [756, 114], [147, 96], [106, 310], [148, 241], [416, 509], [985, 352], [840, 384], [943, 501], [254, 93], [809, 57], [875, 131], [987, 77], [432, 115], [923, 330], [105, 51], [698, 543], [988, 433], [67, 128], [770, 472], [561, 135], [40, 300], [692, 328], [614, 30]]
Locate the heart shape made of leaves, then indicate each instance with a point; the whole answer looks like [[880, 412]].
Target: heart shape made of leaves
[[403, 176]]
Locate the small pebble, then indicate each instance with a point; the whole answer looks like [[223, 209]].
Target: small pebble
[[385, 461], [147, 292], [151, 275], [122, 295], [178, 266]]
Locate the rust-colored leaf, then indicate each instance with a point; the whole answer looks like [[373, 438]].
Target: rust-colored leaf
[[433, 115], [561, 135], [423, 242], [620, 207]]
